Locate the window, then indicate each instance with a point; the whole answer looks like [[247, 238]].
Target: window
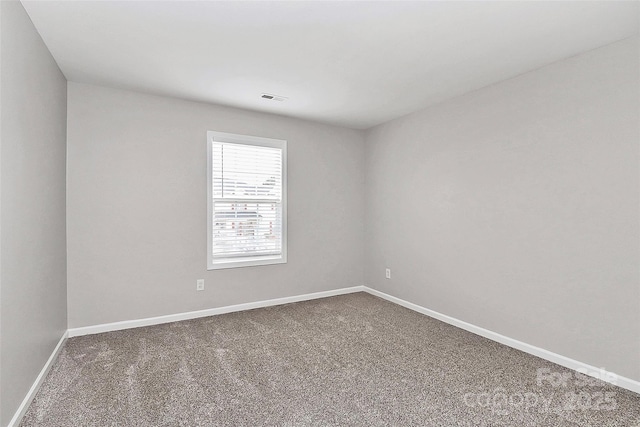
[[247, 200]]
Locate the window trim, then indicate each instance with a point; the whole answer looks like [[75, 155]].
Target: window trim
[[214, 136]]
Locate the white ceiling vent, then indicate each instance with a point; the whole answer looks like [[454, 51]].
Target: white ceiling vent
[[273, 97]]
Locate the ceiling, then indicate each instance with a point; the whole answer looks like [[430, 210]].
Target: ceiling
[[355, 64]]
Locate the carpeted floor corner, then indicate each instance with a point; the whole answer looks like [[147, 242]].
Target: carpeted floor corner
[[351, 360]]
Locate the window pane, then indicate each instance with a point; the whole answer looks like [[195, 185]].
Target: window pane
[[246, 171], [242, 228]]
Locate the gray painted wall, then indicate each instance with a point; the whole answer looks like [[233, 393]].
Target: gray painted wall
[[33, 297], [137, 207], [515, 208], [1, 404]]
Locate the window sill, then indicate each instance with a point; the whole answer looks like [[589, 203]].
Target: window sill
[[246, 262]]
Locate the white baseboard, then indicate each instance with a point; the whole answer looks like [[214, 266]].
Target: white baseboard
[[618, 380], [149, 321], [22, 409], [626, 383]]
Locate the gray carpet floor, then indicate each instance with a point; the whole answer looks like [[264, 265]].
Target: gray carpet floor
[[351, 360]]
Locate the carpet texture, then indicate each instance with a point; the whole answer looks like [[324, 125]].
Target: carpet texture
[[351, 360]]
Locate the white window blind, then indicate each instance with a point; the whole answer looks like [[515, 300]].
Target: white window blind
[[247, 204]]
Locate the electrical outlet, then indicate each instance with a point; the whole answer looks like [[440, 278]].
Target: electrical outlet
[[200, 285], [387, 273]]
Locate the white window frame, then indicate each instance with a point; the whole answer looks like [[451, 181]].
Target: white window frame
[[213, 136]]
